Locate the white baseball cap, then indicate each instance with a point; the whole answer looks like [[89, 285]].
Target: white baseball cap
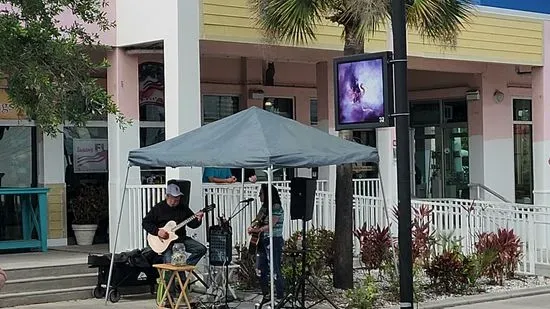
[[173, 190]]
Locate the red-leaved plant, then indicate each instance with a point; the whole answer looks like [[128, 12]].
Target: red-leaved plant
[[451, 272], [376, 244], [504, 251], [421, 235]]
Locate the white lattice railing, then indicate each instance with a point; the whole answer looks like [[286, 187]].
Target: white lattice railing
[[464, 219]]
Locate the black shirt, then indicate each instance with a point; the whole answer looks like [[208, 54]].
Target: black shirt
[[161, 213]]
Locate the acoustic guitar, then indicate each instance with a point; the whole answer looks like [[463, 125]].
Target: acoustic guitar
[[160, 245], [256, 236]]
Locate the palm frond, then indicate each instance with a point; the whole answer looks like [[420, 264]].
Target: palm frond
[[440, 21], [290, 21]]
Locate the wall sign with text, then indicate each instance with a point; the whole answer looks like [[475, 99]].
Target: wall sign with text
[[7, 111], [90, 156]]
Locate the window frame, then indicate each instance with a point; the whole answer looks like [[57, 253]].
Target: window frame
[[215, 94], [522, 122]]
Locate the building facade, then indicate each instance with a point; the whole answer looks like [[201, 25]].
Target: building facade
[[479, 113]]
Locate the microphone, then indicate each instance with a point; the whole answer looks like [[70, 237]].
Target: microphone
[[247, 200]]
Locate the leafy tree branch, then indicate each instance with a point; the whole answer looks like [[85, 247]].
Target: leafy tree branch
[[47, 65]]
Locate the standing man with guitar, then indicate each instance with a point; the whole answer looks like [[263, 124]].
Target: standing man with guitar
[[260, 241], [171, 210]]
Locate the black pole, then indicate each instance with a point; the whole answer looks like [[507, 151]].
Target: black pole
[[403, 152]]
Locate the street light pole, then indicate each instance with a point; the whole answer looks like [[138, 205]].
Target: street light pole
[[403, 152]]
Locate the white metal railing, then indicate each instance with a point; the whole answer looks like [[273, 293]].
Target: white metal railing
[[464, 219], [226, 198]]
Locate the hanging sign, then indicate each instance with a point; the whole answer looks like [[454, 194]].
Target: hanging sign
[[90, 156]]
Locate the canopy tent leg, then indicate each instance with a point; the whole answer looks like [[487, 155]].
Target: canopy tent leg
[[270, 216], [113, 251], [270, 211]]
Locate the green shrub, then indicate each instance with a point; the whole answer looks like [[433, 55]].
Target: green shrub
[[365, 296]]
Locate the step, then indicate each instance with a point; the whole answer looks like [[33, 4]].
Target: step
[[48, 271], [48, 296], [44, 283]]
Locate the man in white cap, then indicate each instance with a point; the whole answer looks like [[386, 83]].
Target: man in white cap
[[172, 210]]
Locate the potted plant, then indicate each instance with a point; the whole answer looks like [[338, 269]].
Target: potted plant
[[88, 207]]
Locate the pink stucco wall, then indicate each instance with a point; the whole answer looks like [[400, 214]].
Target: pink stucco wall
[[541, 93], [485, 117]]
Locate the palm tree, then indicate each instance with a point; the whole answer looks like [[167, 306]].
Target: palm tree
[[295, 22]]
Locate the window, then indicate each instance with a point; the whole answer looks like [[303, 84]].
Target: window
[[17, 169], [281, 106], [313, 113], [151, 91], [455, 111], [216, 107], [18, 153], [523, 151], [79, 175], [425, 114]]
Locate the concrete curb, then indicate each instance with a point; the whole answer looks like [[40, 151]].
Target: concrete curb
[[484, 298]]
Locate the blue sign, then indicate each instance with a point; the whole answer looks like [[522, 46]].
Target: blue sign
[[536, 6]]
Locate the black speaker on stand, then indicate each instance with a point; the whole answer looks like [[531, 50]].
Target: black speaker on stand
[[302, 202], [302, 198]]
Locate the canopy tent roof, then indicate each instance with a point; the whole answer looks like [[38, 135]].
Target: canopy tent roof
[[253, 138]]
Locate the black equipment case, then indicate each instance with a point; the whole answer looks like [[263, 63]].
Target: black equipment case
[[131, 269]]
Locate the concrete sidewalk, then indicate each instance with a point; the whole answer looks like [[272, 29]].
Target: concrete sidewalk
[[528, 302], [126, 303], [531, 302]]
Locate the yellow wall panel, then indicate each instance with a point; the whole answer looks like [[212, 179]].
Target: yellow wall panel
[[231, 21], [56, 211], [487, 37], [490, 38]]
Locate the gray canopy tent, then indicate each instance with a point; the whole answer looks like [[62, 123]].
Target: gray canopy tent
[[253, 138]]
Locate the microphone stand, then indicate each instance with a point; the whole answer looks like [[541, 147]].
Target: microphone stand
[[247, 203], [227, 223]]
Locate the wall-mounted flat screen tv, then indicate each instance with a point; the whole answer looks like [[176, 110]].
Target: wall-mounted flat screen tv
[[363, 91]]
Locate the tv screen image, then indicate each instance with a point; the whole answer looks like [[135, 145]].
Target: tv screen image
[[362, 91]]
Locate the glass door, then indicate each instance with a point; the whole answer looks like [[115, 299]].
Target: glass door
[[427, 167], [456, 162], [441, 162]]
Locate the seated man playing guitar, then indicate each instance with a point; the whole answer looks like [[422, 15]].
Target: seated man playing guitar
[[171, 210]]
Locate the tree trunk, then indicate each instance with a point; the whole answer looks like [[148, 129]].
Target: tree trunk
[[343, 238]]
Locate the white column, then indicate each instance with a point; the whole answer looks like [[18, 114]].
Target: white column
[[541, 124], [51, 174], [325, 110], [122, 79], [385, 138], [182, 90]]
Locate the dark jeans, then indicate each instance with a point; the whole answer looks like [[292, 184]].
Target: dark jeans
[[196, 251], [262, 260]]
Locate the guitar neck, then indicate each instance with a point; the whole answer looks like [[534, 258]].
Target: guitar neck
[[184, 223]]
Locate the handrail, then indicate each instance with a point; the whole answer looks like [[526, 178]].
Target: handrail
[[493, 192]]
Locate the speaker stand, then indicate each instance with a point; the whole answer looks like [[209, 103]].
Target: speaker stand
[[304, 276]]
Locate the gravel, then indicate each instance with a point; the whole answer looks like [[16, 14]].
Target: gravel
[[483, 287]]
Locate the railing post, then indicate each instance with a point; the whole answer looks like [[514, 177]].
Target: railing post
[[531, 242]]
